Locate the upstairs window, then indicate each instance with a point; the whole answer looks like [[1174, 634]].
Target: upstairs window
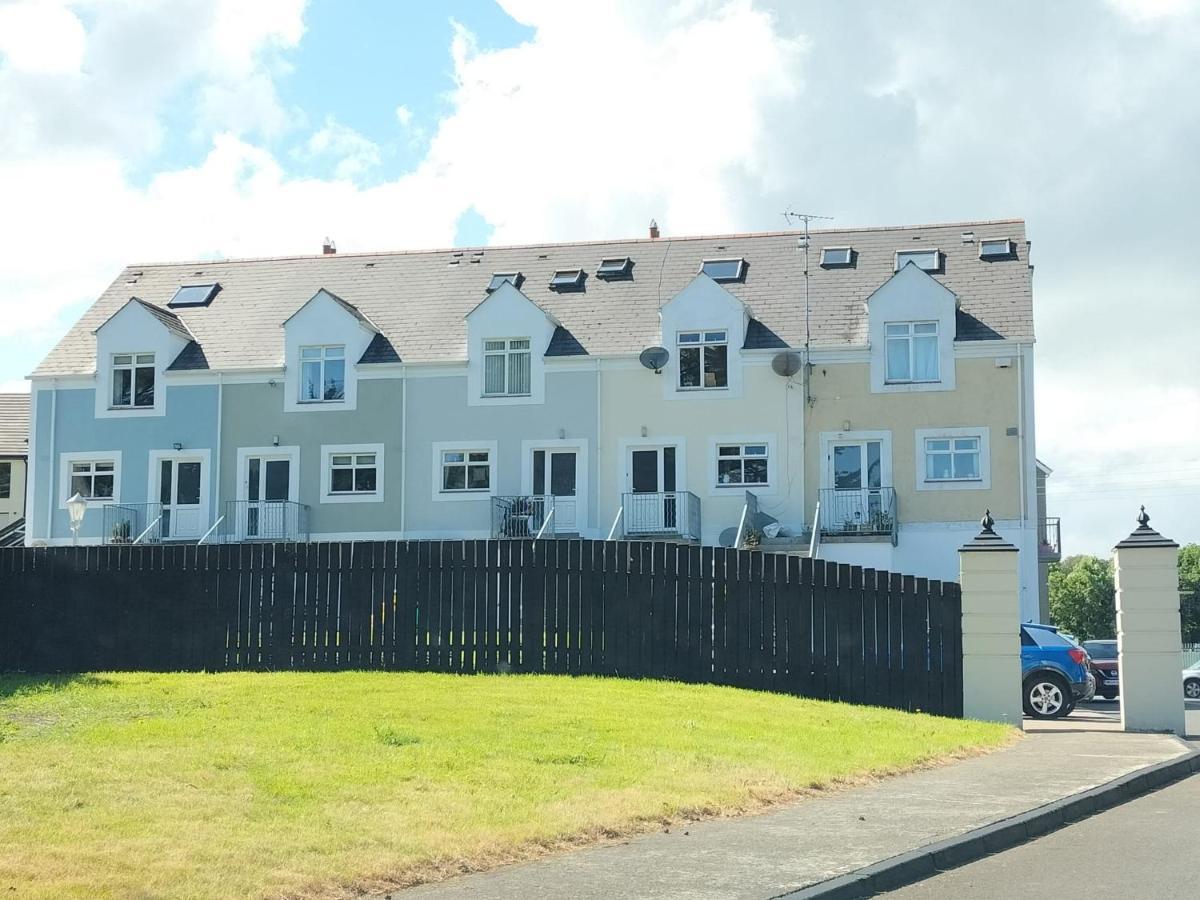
[[929, 260], [615, 267], [506, 367], [912, 351], [133, 380], [837, 257], [466, 470], [93, 479], [739, 464], [352, 473], [499, 278], [952, 459], [322, 374], [1001, 249], [722, 270], [703, 360], [194, 295], [567, 280]]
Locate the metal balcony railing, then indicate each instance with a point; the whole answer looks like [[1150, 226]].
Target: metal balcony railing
[[523, 516], [662, 513], [1049, 540], [127, 523], [869, 514], [265, 520]]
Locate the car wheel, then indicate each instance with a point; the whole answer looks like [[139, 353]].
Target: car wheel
[[1046, 696], [1191, 689]]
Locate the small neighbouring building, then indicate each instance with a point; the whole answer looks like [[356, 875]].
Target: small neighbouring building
[[14, 453]]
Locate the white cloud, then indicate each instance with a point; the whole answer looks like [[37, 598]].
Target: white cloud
[[41, 37], [355, 154], [403, 115]]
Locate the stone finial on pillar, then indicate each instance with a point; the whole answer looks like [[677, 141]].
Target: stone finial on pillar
[[1149, 639], [991, 625]]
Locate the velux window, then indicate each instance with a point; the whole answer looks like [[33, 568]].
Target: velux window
[[703, 359], [506, 367], [741, 464], [724, 269], [952, 459], [929, 260], [132, 380], [322, 374], [352, 473], [998, 249], [93, 479], [466, 470], [912, 351]]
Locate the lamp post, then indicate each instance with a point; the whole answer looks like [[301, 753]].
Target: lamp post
[[76, 507]]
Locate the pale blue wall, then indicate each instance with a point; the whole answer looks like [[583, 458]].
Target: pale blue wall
[[438, 411], [191, 420]]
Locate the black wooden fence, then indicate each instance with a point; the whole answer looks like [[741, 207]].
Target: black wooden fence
[[635, 609]]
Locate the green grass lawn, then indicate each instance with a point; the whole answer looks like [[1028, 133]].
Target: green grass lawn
[[244, 784]]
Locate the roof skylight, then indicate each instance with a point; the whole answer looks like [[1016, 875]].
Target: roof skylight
[[567, 279], [513, 278], [614, 267], [994, 249], [724, 269], [929, 260], [833, 257], [194, 295]]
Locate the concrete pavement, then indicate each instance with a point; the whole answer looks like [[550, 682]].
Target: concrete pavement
[[772, 854]]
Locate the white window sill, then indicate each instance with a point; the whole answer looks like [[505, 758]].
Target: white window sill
[[502, 396], [700, 390], [363, 497]]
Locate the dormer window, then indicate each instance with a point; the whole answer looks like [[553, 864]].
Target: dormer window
[[499, 278], [836, 257], [703, 360], [323, 374], [194, 295], [132, 380], [1001, 249], [929, 260], [567, 280], [506, 367], [615, 267], [724, 270], [912, 352]]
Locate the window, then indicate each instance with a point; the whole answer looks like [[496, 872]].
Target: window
[[506, 367], [929, 260], [912, 351], [615, 267], [567, 280], [5, 480], [741, 464], [952, 459], [132, 380], [194, 295], [352, 473], [466, 470], [995, 249], [322, 374], [724, 269], [833, 257], [703, 359], [93, 479], [513, 278]]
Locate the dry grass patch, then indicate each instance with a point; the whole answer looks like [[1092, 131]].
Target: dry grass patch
[[247, 785]]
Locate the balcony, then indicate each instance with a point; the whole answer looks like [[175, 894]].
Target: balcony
[[661, 514], [264, 520], [523, 517], [129, 523], [1049, 540], [867, 515]]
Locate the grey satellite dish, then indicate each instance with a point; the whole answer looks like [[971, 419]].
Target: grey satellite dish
[[786, 364], [728, 536], [654, 358]]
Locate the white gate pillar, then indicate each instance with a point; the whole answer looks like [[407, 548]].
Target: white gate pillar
[[1149, 640], [991, 627]]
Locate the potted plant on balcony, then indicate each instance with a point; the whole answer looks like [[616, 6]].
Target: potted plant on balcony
[[121, 532]]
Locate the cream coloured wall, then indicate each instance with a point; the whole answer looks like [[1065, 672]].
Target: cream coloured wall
[[13, 507], [985, 396]]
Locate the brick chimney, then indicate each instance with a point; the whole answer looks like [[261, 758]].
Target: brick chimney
[[653, 229], [329, 247]]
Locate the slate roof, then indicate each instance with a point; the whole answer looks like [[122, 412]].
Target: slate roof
[[418, 300], [14, 424]]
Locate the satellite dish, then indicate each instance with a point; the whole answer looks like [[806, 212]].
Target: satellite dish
[[728, 536], [654, 358], [786, 364]]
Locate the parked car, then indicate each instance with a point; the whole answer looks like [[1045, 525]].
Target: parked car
[[1103, 656], [1191, 681], [1055, 672]]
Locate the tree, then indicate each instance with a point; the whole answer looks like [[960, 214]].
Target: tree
[[1189, 586], [1082, 597]]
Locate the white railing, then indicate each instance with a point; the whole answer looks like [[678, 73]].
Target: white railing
[[814, 540]]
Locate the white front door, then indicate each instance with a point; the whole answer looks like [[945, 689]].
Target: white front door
[[556, 474], [266, 514], [857, 477], [183, 494], [653, 505]]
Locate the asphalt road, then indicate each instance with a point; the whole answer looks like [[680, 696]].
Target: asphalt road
[[1148, 848], [1104, 714]]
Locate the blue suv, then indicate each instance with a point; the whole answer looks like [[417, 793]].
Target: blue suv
[[1055, 672]]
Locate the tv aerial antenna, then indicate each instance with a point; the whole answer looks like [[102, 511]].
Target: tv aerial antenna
[[791, 217]]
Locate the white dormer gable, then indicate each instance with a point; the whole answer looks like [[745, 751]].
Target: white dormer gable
[[915, 304], [136, 336], [324, 326], [498, 327], [703, 306]]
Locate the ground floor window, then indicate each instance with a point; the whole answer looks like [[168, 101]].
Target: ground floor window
[[466, 470], [741, 464], [952, 459], [352, 473], [93, 479], [5, 480]]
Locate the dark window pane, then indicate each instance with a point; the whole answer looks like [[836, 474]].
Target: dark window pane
[[277, 487], [121, 387], [562, 474], [144, 387], [81, 485], [335, 379], [689, 367], [716, 371], [645, 471], [164, 481], [756, 471], [187, 491], [454, 478], [364, 480], [668, 456], [341, 480], [539, 472], [729, 471], [252, 488], [874, 469], [5, 480], [103, 487], [478, 477], [847, 467]]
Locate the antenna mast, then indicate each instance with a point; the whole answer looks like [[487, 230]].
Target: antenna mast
[[789, 217]]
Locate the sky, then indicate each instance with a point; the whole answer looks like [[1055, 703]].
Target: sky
[[139, 131]]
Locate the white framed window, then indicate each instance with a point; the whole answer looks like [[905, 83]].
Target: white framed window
[[5, 480], [323, 374], [912, 351], [929, 260], [992, 249], [724, 270], [94, 474], [703, 360], [743, 464], [132, 380], [953, 459], [466, 470], [506, 367], [837, 257], [351, 473]]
